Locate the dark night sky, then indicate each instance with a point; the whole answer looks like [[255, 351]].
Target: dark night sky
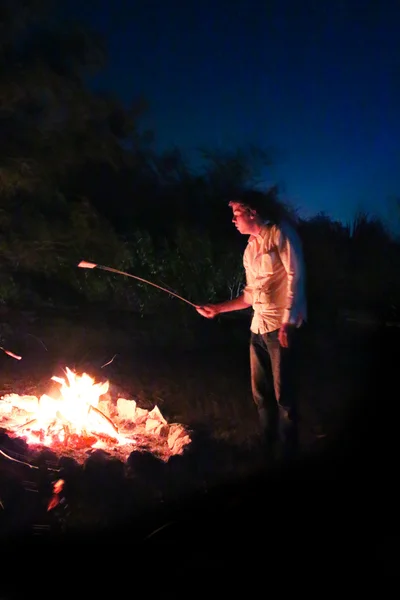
[[318, 81]]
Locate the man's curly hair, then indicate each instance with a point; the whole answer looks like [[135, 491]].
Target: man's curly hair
[[265, 204]]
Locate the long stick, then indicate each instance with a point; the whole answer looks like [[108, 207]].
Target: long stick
[[89, 265]]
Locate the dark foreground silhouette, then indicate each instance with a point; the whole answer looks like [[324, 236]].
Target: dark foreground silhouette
[[332, 508]]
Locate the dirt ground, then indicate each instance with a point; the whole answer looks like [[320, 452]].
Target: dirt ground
[[197, 374]]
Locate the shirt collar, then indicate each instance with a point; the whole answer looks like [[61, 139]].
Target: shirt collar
[[261, 235]]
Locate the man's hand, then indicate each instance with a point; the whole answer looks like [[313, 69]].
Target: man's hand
[[208, 310], [283, 336]]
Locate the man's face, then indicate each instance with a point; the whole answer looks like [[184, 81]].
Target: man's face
[[243, 218]]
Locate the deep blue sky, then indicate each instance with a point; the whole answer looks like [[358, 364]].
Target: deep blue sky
[[317, 80]]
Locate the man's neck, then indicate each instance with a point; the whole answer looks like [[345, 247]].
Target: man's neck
[[256, 230]]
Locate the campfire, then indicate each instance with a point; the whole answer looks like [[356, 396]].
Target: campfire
[[80, 417]]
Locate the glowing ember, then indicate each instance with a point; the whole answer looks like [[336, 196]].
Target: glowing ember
[[78, 421]]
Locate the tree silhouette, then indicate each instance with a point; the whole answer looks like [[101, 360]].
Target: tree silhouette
[[79, 179]]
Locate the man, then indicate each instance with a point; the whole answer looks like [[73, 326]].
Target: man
[[275, 289]]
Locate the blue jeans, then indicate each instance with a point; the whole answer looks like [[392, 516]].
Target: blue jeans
[[273, 389]]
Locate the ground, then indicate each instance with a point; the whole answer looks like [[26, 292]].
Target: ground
[[197, 374]]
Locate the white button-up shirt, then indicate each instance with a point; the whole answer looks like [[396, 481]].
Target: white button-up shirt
[[275, 278]]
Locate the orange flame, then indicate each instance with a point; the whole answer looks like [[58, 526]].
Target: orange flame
[[75, 418], [75, 411]]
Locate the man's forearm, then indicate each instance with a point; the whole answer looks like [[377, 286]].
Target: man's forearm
[[231, 305]]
